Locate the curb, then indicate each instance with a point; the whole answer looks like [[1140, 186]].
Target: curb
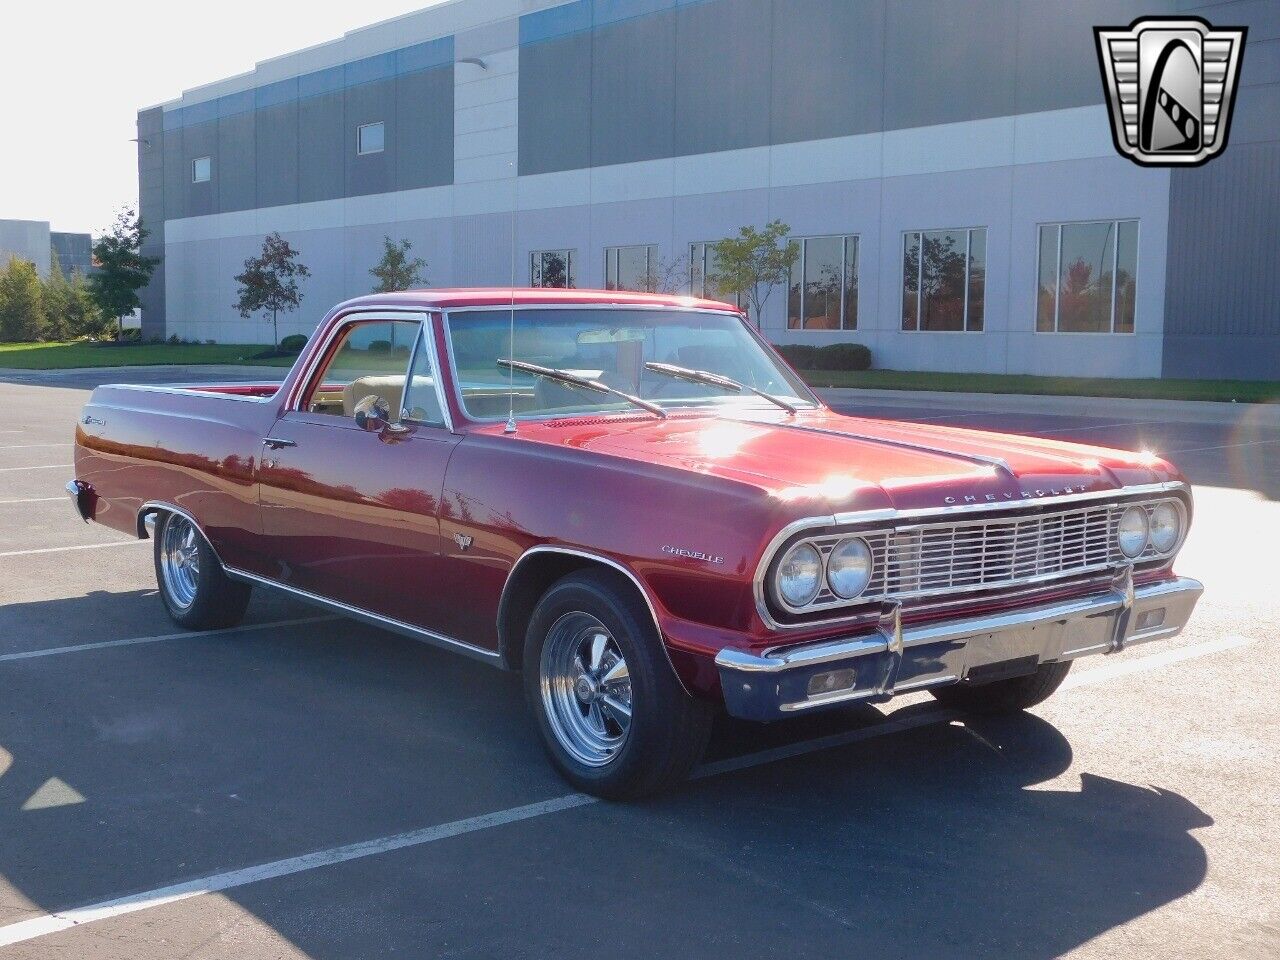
[[1183, 411]]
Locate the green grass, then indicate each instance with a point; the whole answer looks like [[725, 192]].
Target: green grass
[[82, 353], [1243, 391]]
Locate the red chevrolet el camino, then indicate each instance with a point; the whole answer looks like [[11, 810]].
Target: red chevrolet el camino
[[635, 501]]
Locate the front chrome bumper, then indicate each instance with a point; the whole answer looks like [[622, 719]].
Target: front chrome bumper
[[894, 659]]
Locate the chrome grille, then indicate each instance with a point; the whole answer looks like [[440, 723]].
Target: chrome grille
[[930, 558]]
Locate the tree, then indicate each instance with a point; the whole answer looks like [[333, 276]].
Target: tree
[[395, 271], [21, 302], [84, 318], [270, 281], [753, 263], [665, 276], [56, 296], [122, 269]]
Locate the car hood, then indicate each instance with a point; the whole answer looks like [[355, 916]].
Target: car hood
[[824, 461]]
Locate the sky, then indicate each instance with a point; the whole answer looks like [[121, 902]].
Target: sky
[[74, 75]]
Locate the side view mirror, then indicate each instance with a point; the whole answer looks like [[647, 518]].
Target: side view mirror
[[373, 413]]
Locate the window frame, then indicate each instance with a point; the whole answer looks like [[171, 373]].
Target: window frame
[[204, 179], [570, 255], [1057, 278], [361, 128], [968, 263], [741, 301], [652, 258], [844, 280], [333, 340]]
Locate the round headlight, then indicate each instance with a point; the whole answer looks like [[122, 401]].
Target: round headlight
[[1133, 532], [799, 575], [1166, 526], [849, 568]]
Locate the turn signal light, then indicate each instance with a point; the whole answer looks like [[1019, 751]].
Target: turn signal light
[[832, 681]]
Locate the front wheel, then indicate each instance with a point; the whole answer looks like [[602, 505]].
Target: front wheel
[[196, 592], [1005, 696], [612, 714]]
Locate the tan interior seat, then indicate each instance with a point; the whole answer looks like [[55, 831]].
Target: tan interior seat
[[389, 388]]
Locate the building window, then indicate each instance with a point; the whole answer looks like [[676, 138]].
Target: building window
[[823, 292], [551, 268], [703, 270], [944, 279], [370, 138], [1088, 277], [631, 268], [201, 169]]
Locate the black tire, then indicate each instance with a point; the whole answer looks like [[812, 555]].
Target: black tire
[[668, 729], [218, 601], [1005, 696]]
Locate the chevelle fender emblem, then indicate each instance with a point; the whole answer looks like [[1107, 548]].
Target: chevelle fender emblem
[[462, 540], [691, 554]]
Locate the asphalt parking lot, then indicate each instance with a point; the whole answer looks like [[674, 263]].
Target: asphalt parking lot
[[305, 786]]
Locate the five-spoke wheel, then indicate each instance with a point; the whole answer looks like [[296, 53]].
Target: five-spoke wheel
[[612, 712], [586, 688], [180, 561]]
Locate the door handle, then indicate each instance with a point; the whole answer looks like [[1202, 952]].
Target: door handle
[[275, 443]]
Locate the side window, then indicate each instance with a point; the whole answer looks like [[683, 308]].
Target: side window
[[371, 358], [421, 402]]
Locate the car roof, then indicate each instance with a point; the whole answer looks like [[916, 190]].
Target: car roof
[[447, 297]]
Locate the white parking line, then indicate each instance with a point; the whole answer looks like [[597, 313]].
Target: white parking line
[[52, 923], [79, 546], [47, 466], [32, 446], [5, 503], [131, 641]]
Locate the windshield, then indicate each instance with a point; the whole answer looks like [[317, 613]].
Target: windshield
[[611, 346]]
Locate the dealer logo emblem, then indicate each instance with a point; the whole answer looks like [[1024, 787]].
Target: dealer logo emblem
[[1170, 84]]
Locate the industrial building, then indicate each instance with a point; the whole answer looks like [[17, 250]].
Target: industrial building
[[946, 166], [32, 240]]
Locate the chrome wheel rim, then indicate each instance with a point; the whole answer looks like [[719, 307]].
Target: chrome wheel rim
[[180, 561], [586, 689]]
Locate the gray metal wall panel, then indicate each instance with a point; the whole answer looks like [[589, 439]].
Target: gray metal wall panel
[[722, 71], [633, 90], [1221, 318], [321, 147], [367, 103], [1057, 60], [555, 104], [151, 208], [422, 139], [236, 182], [276, 143], [1223, 283], [944, 63], [828, 68], [177, 175], [201, 140]]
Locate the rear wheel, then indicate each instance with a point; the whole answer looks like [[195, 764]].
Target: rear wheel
[[197, 594], [613, 717], [1005, 696]]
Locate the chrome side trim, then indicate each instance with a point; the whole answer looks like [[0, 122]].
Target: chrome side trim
[[189, 392], [608, 562], [491, 657], [890, 515]]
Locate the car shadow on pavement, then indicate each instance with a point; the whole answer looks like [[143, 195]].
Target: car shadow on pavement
[[959, 838]]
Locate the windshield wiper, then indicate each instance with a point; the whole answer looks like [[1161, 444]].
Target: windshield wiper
[[716, 380], [573, 380]]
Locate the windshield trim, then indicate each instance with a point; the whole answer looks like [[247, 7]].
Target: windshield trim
[[810, 400]]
